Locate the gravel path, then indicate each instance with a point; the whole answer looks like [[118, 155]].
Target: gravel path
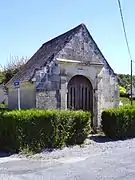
[[91, 147], [100, 160]]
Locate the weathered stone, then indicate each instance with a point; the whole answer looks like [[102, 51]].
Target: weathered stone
[[78, 54], [46, 100]]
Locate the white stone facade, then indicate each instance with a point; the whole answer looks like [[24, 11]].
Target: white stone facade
[[78, 56]]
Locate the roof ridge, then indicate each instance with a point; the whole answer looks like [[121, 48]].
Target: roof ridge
[[104, 59], [54, 45], [49, 50], [65, 33]]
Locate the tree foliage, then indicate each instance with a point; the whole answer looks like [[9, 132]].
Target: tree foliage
[[123, 91], [125, 80], [11, 68]]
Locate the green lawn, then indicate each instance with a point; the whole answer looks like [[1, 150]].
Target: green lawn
[[126, 101]]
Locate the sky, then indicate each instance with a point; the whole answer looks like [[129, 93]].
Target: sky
[[26, 24]]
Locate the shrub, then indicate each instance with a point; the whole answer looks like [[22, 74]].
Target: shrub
[[119, 123], [123, 92], [39, 129], [3, 107]]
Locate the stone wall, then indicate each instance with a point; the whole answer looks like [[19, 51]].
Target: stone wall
[[48, 100], [72, 69], [105, 87], [47, 85], [108, 93], [81, 48], [52, 80]]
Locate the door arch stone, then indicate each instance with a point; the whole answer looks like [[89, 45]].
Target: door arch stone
[[80, 94]]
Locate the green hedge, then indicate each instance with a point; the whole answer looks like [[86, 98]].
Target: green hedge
[[39, 129], [119, 123]]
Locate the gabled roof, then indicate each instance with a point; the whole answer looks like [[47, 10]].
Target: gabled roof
[[47, 52]]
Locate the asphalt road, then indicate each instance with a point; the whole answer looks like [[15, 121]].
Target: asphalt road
[[118, 164]]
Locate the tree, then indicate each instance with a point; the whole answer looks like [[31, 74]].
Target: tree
[[123, 91], [125, 80], [11, 68]]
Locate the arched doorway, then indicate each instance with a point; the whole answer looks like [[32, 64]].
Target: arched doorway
[[80, 94]]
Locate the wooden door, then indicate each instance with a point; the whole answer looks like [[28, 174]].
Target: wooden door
[[79, 94]]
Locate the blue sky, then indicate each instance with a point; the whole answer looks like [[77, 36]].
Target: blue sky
[[26, 24]]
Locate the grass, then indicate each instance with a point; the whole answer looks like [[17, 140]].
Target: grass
[[126, 101]]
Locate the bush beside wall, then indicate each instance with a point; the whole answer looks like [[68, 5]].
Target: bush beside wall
[[39, 129], [119, 123]]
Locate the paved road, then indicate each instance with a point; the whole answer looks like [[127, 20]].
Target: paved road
[[119, 164]]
